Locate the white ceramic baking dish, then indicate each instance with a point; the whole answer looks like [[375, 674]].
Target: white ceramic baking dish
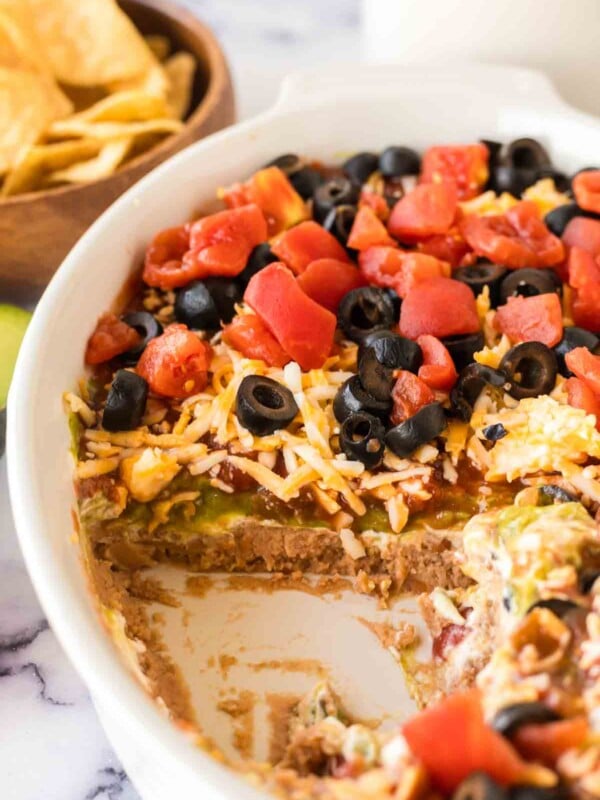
[[321, 115]]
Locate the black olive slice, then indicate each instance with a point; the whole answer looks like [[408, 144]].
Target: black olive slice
[[396, 161], [531, 792], [549, 494], [495, 432], [379, 359], [528, 283], [463, 348], [428, 422], [479, 786], [202, 305], [360, 166], [126, 402], [148, 328], [471, 382], [525, 153], [352, 398], [531, 368], [196, 308], [507, 178], [558, 219], [573, 337], [339, 222], [305, 181], [484, 273], [361, 439], [335, 192], [557, 605], [260, 256], [263, 405], [363, 311], [226, 293], [396, 301], [494, 149], [587, 580], [288, 163], [509, 719]]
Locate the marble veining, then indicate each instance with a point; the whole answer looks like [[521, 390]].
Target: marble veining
[[51, 744]]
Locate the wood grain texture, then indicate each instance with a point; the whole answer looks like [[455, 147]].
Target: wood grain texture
[[38, 229]]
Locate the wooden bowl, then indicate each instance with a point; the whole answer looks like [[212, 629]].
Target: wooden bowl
[[38, 229]]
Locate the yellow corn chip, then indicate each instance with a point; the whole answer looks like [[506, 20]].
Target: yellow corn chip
[[40, 160], [28, 105], [160, 45], [72, 126], [105, 163], [129, 106], [153, 81], [19, 48], [180, 69], [89, 42]]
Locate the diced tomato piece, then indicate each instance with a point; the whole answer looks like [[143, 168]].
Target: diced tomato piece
[[586, 366], [162, 264], [409, 394], [450, 247], [546, 743], [583, 232], [584, 278], [516, 239], [368, 230], [305, 243], [418, 268], [249, 334], [390, 267], [111, 337], [586, 186], [452, 741], [327, 281], [302, 327], [438, 370], [175, 364], [382, 266], [441, 307], [426, 211], [464, 165], [272, 192], [375, 201], [221, 243], [584, 269], [579, 395], [531, 319]]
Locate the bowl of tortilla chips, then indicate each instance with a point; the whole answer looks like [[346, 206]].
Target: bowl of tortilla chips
[[93, 95]]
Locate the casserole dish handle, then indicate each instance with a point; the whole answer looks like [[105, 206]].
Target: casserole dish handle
[[514, 84]]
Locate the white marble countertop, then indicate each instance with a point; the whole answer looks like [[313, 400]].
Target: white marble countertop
[[51, 744]]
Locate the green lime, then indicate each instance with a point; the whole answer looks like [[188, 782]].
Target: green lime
[[13, 323]]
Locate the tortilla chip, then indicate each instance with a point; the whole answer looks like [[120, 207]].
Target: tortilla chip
[[89, 42], [153, 81], [105, 163], [160, 45], [40, 160], [132, 106], [19, 48], [28, 104], [103, 131], [180, 70]]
